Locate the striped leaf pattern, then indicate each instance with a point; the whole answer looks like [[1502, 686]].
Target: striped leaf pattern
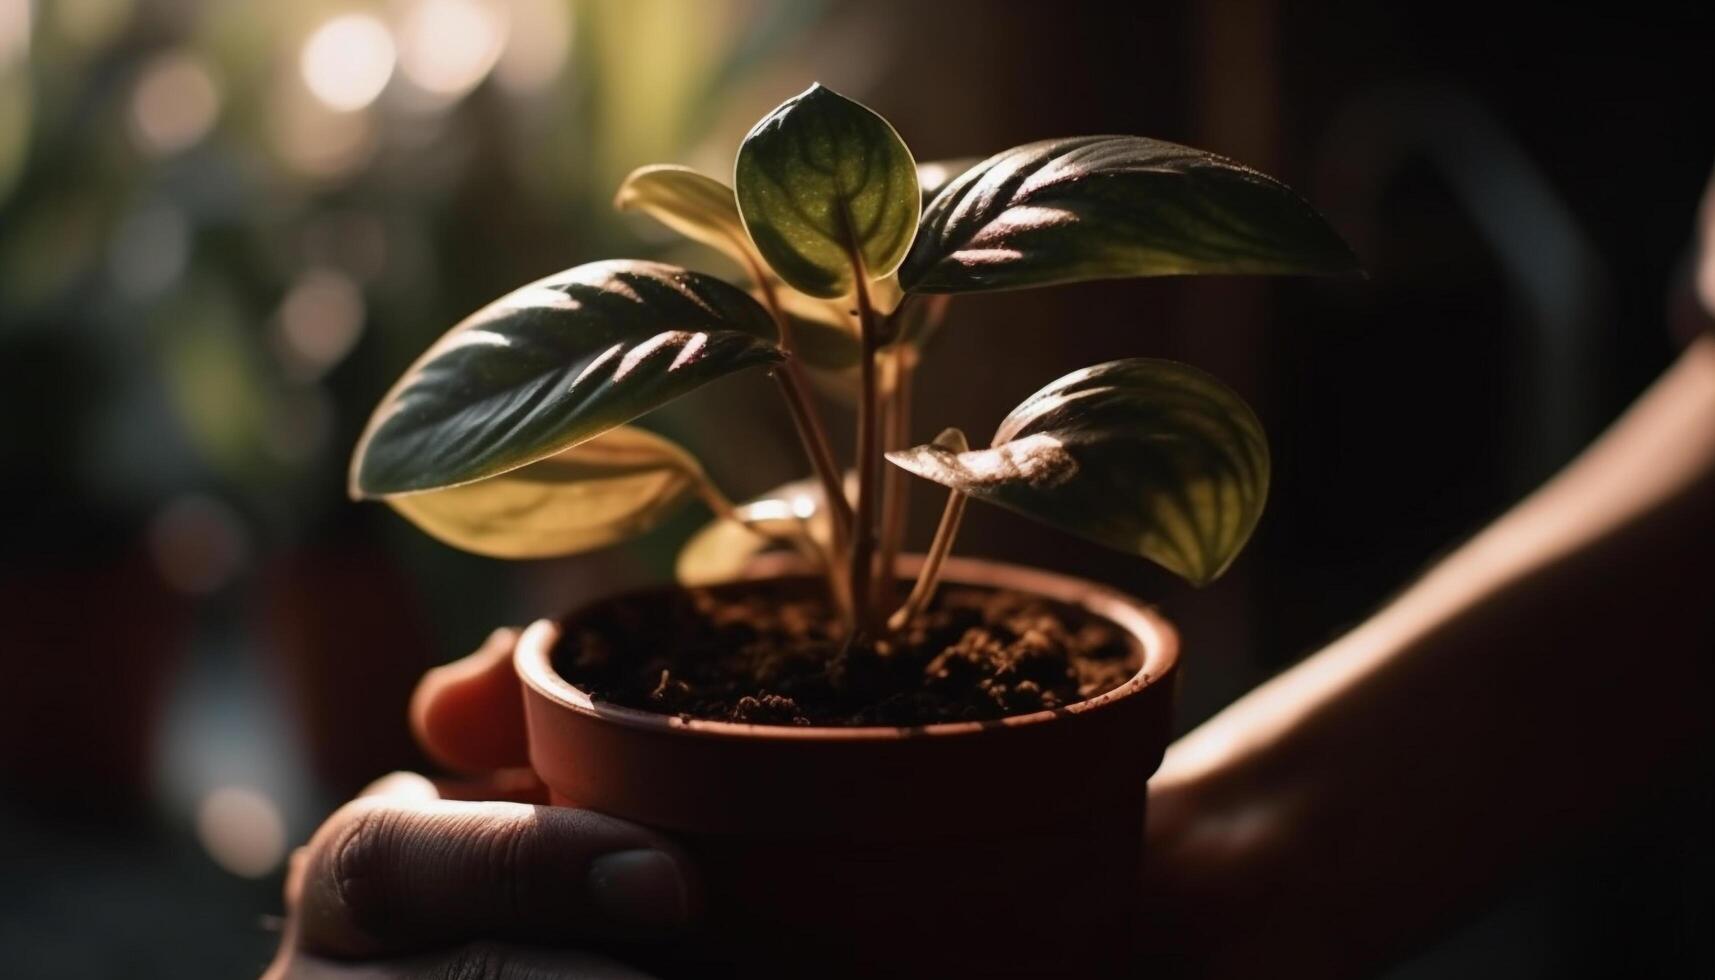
[[1106, 207], [822, 177], [553, 364], [1142, 455]]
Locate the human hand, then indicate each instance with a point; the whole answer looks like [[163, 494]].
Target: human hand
[[411, 879], [475, 878]]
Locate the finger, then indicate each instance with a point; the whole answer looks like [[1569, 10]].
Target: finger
[[509, 785], [293, 889], [401, 787], [489, 961], [383, 878], [469, 714]]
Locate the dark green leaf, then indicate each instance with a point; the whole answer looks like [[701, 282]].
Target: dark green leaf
[[1104, 207], [553, 364], [1142, 455], [820, 178]]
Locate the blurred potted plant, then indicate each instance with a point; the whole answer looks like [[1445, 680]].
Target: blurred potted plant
[[952, 780]]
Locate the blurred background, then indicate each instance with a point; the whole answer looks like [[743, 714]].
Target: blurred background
[[227, 226]]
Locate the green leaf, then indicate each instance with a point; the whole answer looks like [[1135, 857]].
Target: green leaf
[[599, 492], [721, 550], [1104, 207], [552, 364], [704, 210], [821, 178], [1142, 455]]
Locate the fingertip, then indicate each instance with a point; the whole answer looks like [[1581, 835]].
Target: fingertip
[[503, 638], [469, 715], [402, 786], [642, 888]]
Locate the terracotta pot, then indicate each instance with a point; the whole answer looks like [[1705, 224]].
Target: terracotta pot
[[1009, 847]]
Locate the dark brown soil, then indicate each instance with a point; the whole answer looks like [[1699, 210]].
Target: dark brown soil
[[773, 655]]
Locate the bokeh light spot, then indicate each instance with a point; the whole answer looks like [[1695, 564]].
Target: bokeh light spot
[[174, 104], [242, 830], [446, 47], [319, 321], [347, 61]]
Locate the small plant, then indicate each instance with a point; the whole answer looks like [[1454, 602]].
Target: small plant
[[510, 436]]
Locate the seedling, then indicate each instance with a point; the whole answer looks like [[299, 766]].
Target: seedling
[[511, 436]]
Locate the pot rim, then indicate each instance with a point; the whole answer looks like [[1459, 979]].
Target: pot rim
[[533, 658]]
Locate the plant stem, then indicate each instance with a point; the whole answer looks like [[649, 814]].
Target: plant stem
[[804, 416], [930, 575], [895, 507], [715, 500], [868, 458], [808, 421], [916, 317]]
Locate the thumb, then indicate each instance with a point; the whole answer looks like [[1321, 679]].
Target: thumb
[[469, 715]]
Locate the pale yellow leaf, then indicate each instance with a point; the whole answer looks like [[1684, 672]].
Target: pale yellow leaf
[[600, 492], [697, 206], [721, 550]]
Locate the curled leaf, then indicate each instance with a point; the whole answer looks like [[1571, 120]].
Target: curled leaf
[[1142, 455], [822, 178], [1104, 207], [951, 440], [721, 550], [599, 492], [552, 364]]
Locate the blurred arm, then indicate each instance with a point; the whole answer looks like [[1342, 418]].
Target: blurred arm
[[1525, 688]]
